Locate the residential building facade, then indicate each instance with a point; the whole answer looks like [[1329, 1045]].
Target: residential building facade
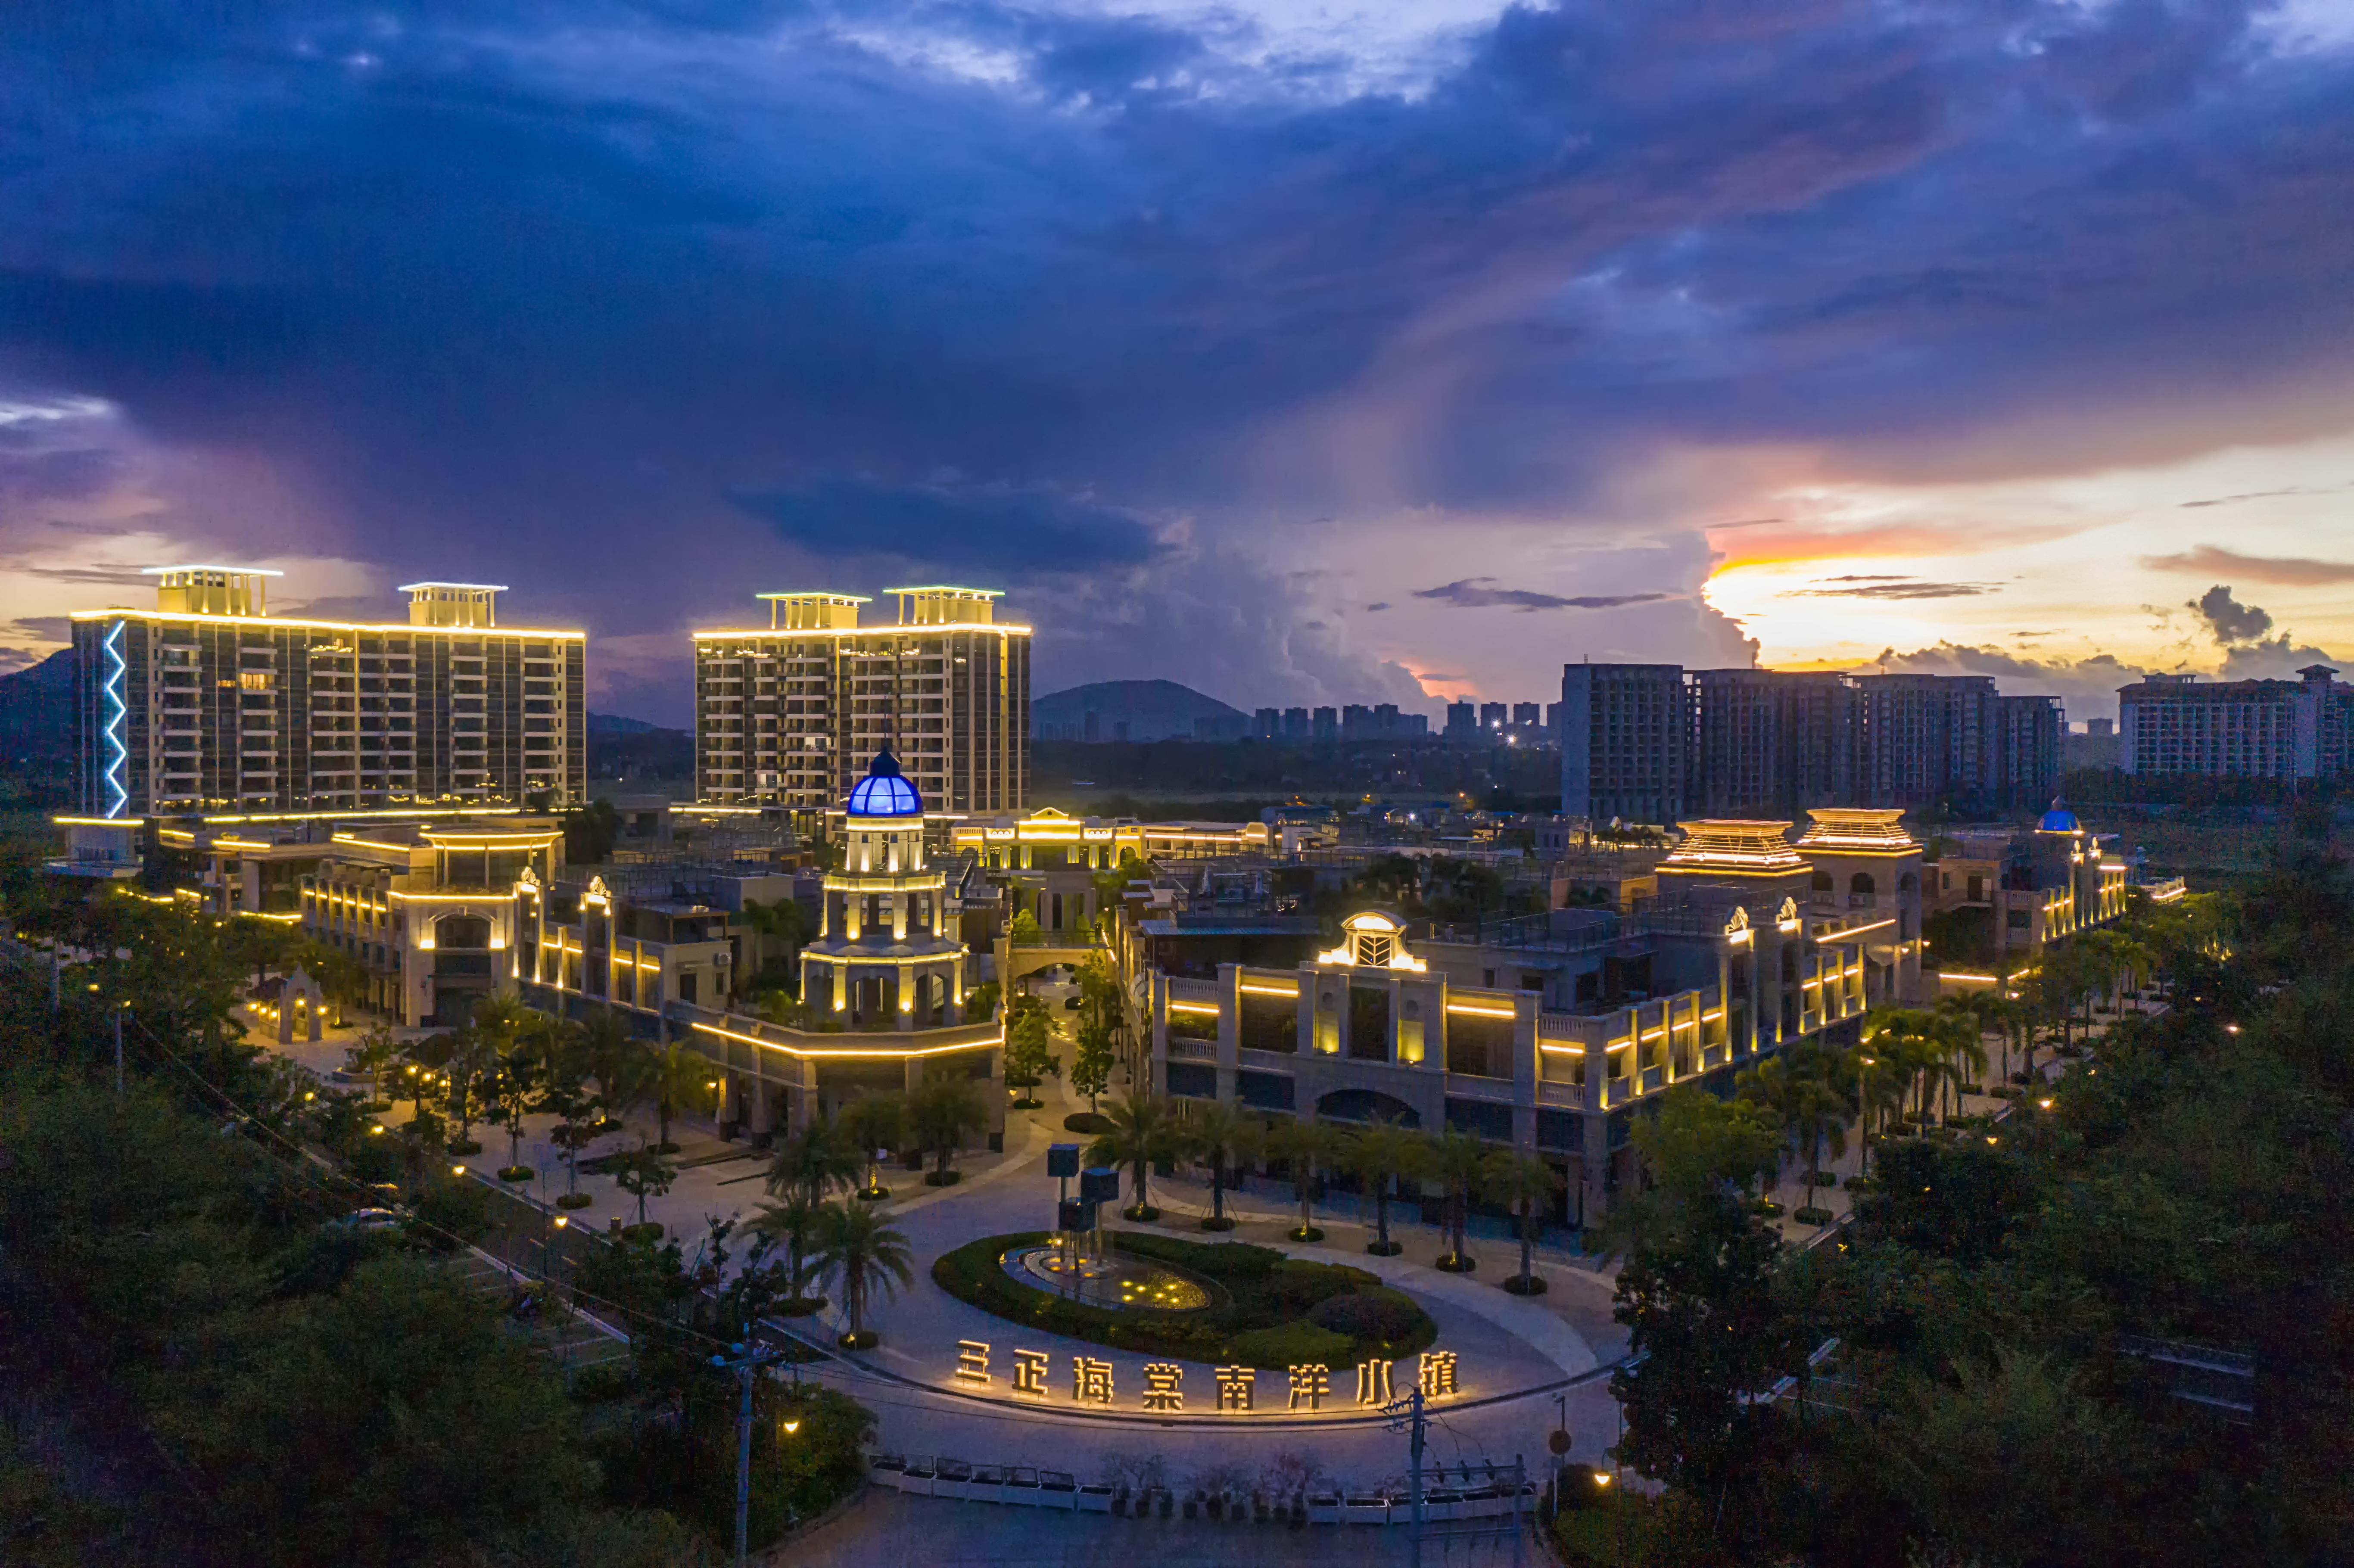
[[787, 715], [208, 706], [2177, 725], [1644, 743], [1624, 742]]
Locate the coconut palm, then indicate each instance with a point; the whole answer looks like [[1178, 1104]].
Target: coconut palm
[[1460, 1163], [1798, 1089], [793, 1225], [863, 1254], [875, 1122], [1380, 1154], [1144, 1133], [1526, 1183], [1224, 1138], [1960, 1034], [813, 1161], [1308, 1148], [941, 1111], [678, 1080]]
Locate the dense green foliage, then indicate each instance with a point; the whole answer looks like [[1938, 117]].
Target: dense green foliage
[[295, 1390], [2001, 1391], [1278, 1311], [206, 1360]]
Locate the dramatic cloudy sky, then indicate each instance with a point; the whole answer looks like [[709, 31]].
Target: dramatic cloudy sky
[[1300, 351]]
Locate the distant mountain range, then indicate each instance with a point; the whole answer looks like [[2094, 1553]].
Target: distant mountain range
[[1134, 710], [37, 711], [614, 723]]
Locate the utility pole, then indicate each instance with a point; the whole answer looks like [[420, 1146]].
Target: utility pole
[[748, 1361], [120, 1009], [1408, 1416]]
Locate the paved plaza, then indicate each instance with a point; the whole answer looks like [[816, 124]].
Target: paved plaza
[[1522, 1365]]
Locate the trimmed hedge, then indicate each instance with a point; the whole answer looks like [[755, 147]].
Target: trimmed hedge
[[1095, 1124], [1269, 1318]]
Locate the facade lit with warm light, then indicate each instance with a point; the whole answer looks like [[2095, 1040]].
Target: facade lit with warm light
[[208, 706], [786, 715], [1548, 1033], [427, 911]]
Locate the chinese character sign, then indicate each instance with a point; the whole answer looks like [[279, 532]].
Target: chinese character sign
[[1307, 1386], [1090, 1380], [973, 1361], [1160, 1380]]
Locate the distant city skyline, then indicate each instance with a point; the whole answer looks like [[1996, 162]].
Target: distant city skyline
[[1303, 355]]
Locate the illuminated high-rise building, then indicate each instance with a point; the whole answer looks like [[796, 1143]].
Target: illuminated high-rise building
[[788, 715], [206, 706]]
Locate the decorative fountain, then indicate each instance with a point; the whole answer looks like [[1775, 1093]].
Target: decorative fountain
[[1113, 1280]]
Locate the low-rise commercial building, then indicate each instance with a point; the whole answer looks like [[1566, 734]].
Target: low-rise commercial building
[[1548, 1033]]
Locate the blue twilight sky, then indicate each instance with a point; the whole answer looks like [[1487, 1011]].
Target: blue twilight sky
[[1300, 352]]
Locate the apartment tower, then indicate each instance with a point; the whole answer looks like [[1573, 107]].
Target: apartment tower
[[788, 716], [206, 706]]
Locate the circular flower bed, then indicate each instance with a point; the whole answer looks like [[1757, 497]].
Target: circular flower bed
[[1268, 1310]]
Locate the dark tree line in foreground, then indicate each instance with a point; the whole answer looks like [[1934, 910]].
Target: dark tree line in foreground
[[203, 1360], [1994, 1398]]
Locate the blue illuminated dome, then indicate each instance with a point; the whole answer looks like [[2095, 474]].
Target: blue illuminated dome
[[2058, 820], [882, 793]]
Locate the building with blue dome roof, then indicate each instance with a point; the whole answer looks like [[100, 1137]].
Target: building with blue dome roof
[[884, 791], [884, 957], [2058, 820]]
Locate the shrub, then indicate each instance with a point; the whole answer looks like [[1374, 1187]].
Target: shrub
[[1290, 1345], [1380, 1313], [1095, 1124], [1813, 1216], [1299, 1285]]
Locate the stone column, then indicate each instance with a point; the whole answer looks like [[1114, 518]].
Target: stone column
[[1230, 1029]]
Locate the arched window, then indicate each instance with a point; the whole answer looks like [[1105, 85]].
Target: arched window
[[461, 931], [1822, 882], [1861, 883]]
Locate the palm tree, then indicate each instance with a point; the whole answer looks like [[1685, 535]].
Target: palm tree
[[617, 1061], [794, 1222], [1381, 1153], [875, 1122], [941, 1111], [1307, 1147], [1459, 1163], [1960, 1035], [679, 1080], [1798, 1088], [813, 1161], [855, 1248], [1224, 1138], [1143, 1134], [1524, 1182]]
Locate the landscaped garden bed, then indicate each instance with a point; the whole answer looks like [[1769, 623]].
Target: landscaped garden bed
[[1277, 1311]]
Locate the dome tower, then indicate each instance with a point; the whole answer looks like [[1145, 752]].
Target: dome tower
[[883, 959]]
